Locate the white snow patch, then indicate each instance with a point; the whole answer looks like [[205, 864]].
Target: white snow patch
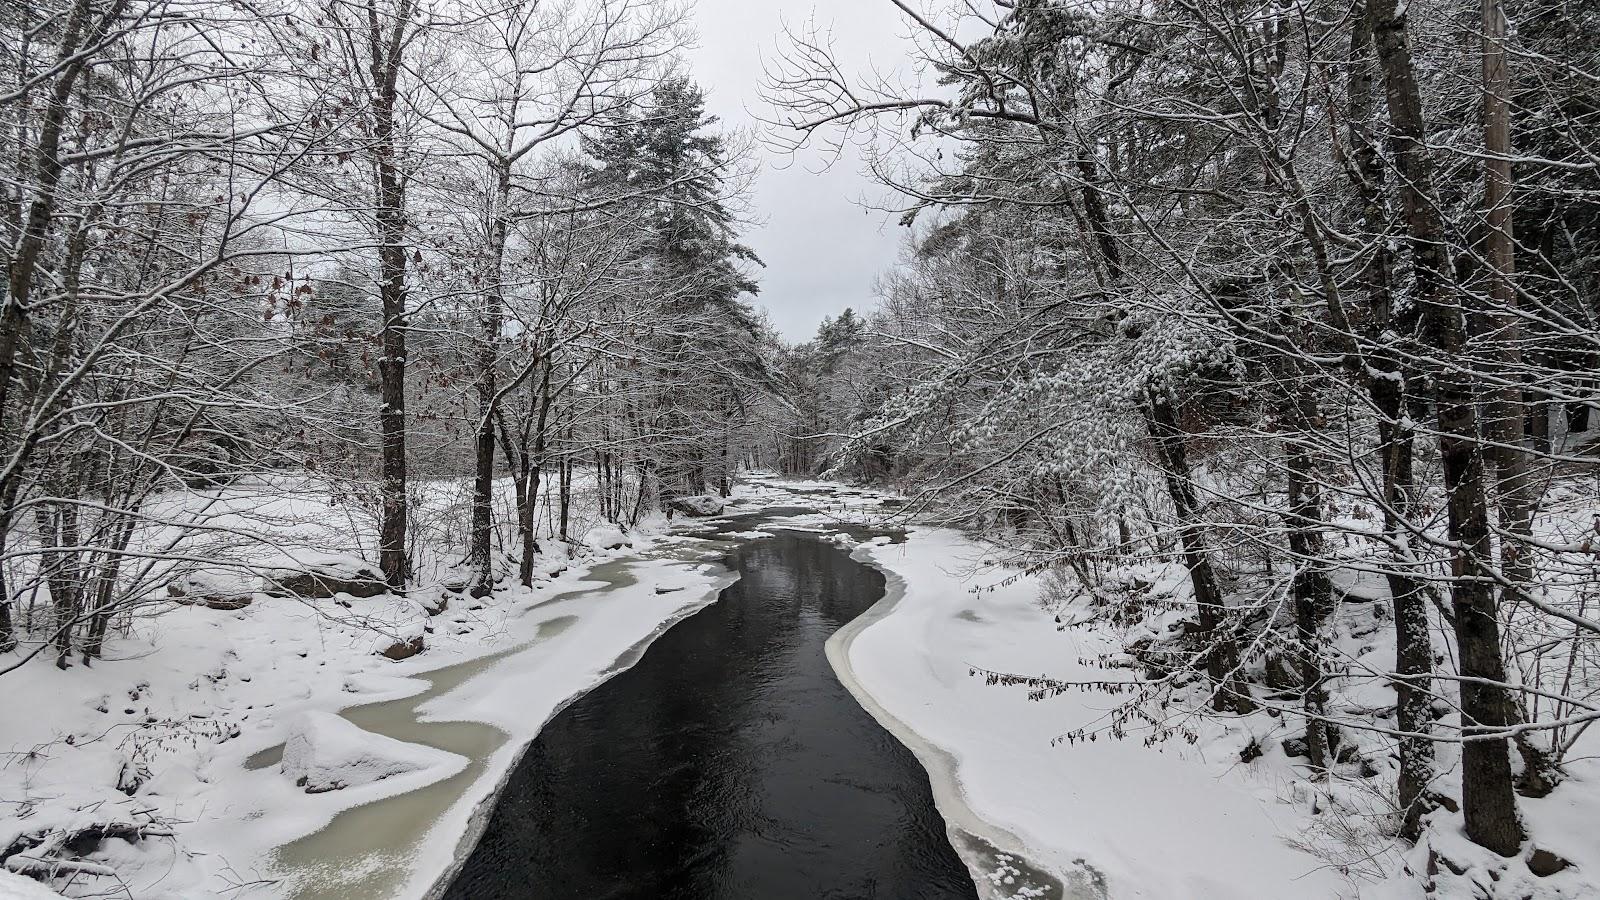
[[1153, 822], [325, 752], [21, 887]]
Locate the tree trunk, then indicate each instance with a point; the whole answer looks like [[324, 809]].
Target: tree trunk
[[392, 418], [1577, 418], [105, 588], [385, 45], [59, 569], [1222, 658], [491, 322], [1510, 409], [480, 552], [724, 481], [1310, 587], [47, 167], [1488, 801], [533, 473], [566, 498], [1413, 640], [8, 625], [519, 459], [1506, 425], [1396, 440], [22, 262]]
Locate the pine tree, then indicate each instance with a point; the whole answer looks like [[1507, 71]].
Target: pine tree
[[702, 334]]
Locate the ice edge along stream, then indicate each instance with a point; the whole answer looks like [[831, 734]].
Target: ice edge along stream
[[301, 860], [478, 819], [985, 847]]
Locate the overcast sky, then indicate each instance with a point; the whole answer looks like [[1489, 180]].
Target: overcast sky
[[821, 247]]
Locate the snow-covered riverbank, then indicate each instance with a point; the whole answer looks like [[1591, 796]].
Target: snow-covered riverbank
[[1164, 820], [177, 738], [1102, 819], [1111, 818], [173, 738]]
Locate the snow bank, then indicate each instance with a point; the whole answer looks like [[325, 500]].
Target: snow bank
[[18, 887], [325, 752], [177, 732], [1112, 816]]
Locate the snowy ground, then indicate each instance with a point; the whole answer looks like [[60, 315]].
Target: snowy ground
[[1151, 823]]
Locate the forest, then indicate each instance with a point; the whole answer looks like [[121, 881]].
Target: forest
[[1300, 296], [244, 245], [1262, 336]]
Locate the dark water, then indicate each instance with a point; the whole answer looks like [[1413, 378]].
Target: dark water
[[729, 763]]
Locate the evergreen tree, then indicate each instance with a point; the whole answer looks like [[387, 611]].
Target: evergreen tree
[[670, 151], [699, 332]]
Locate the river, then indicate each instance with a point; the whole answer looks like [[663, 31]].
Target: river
[[728, 763]]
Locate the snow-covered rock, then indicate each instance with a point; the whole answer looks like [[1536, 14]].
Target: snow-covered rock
[[212, 588], [607, 537], [326, 576], [326, 752], [698, 506], [404, 643]]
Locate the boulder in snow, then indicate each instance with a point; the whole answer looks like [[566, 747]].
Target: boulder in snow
[[437, 604], [1280, 675], [325, 752], [607, 537], [326, 577], [404, 648], [1297, 746], [216, 590], [1544, 864], [697, 507]]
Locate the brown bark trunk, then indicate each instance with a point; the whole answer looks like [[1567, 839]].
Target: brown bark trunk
[[385, 46]]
